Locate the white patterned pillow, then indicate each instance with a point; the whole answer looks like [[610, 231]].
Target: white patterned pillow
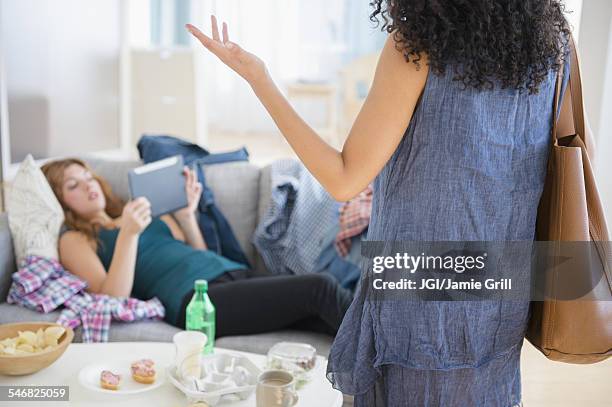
[[34, 213]]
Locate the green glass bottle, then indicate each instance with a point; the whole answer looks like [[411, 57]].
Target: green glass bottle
[[201, 315]]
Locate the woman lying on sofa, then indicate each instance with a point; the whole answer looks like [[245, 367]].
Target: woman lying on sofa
[[120, 251]]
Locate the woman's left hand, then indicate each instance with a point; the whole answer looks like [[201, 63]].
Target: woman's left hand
[[245, 64], [193, 190]]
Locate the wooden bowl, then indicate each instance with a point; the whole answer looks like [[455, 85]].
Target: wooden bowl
[[15, 365]]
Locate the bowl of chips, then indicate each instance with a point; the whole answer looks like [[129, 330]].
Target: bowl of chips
[[27, 347]]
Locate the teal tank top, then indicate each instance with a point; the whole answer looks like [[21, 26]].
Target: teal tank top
[[165, 267]]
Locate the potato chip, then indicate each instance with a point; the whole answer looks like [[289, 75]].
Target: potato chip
[[40, 338], [28, 342], [9, 350], [26, 347], [27, 337], [50, 341], [9, 342], [55, 331]]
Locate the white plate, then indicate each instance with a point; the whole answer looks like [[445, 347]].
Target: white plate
[[89, 377]]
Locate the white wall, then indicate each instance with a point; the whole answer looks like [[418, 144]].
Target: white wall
[[268, 28], [604, 164], [595, 47], [573, 9], [62, 71], [163, 93]]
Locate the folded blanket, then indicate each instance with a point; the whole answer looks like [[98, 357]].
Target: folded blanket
[[43, 285]]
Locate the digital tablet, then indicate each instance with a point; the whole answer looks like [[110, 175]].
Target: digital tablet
[[162, 183]]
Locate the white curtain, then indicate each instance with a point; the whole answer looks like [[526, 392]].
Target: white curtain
[[267, 28], [298, 39]]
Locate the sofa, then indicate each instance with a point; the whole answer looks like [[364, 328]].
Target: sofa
[[242, 192]]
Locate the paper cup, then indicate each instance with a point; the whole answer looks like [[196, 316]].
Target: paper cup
[[188, 347]]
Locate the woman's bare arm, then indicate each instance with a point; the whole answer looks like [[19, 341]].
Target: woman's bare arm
[[375, 135], [186, 229], [78, 256]]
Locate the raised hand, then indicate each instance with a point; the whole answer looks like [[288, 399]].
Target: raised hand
[[193, 190], [245, 64]]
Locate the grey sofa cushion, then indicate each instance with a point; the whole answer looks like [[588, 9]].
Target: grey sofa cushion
[[7, 257], [146, 330], [115, 172], [265, 192], [261, 343], [141, 331], [235, 186], [14, 313], [159, 331]]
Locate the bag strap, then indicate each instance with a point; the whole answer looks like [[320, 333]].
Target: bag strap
[[571, 120], [556, 118], [575, 84]]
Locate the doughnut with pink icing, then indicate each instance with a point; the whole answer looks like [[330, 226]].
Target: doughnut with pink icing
[[109, 380], [143, 371]]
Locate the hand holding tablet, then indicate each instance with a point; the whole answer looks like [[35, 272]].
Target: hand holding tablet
[[164, 183]]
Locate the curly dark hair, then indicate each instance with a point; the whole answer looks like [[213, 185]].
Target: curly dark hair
[[516, 42]]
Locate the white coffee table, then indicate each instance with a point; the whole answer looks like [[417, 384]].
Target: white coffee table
[[64, 372]]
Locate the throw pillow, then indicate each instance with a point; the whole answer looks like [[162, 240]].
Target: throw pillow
[[35, 215]]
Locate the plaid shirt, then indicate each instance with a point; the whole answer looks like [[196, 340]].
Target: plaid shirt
[[354, 219], [292, 234], [42, 284]]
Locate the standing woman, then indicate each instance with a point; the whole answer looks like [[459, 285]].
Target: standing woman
[[455, 134]]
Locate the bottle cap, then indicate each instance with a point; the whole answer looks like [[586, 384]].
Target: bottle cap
[[201, 285]]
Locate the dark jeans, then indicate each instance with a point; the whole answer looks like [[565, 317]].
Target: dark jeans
[[249, 305]]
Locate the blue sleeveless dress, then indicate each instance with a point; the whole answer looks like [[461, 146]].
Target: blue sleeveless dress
[[470, 167]]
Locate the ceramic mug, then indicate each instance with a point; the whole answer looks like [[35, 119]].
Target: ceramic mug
[[188, 346], [276, 388]]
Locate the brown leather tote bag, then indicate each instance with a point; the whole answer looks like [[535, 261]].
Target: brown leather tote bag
[[570, 210]]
